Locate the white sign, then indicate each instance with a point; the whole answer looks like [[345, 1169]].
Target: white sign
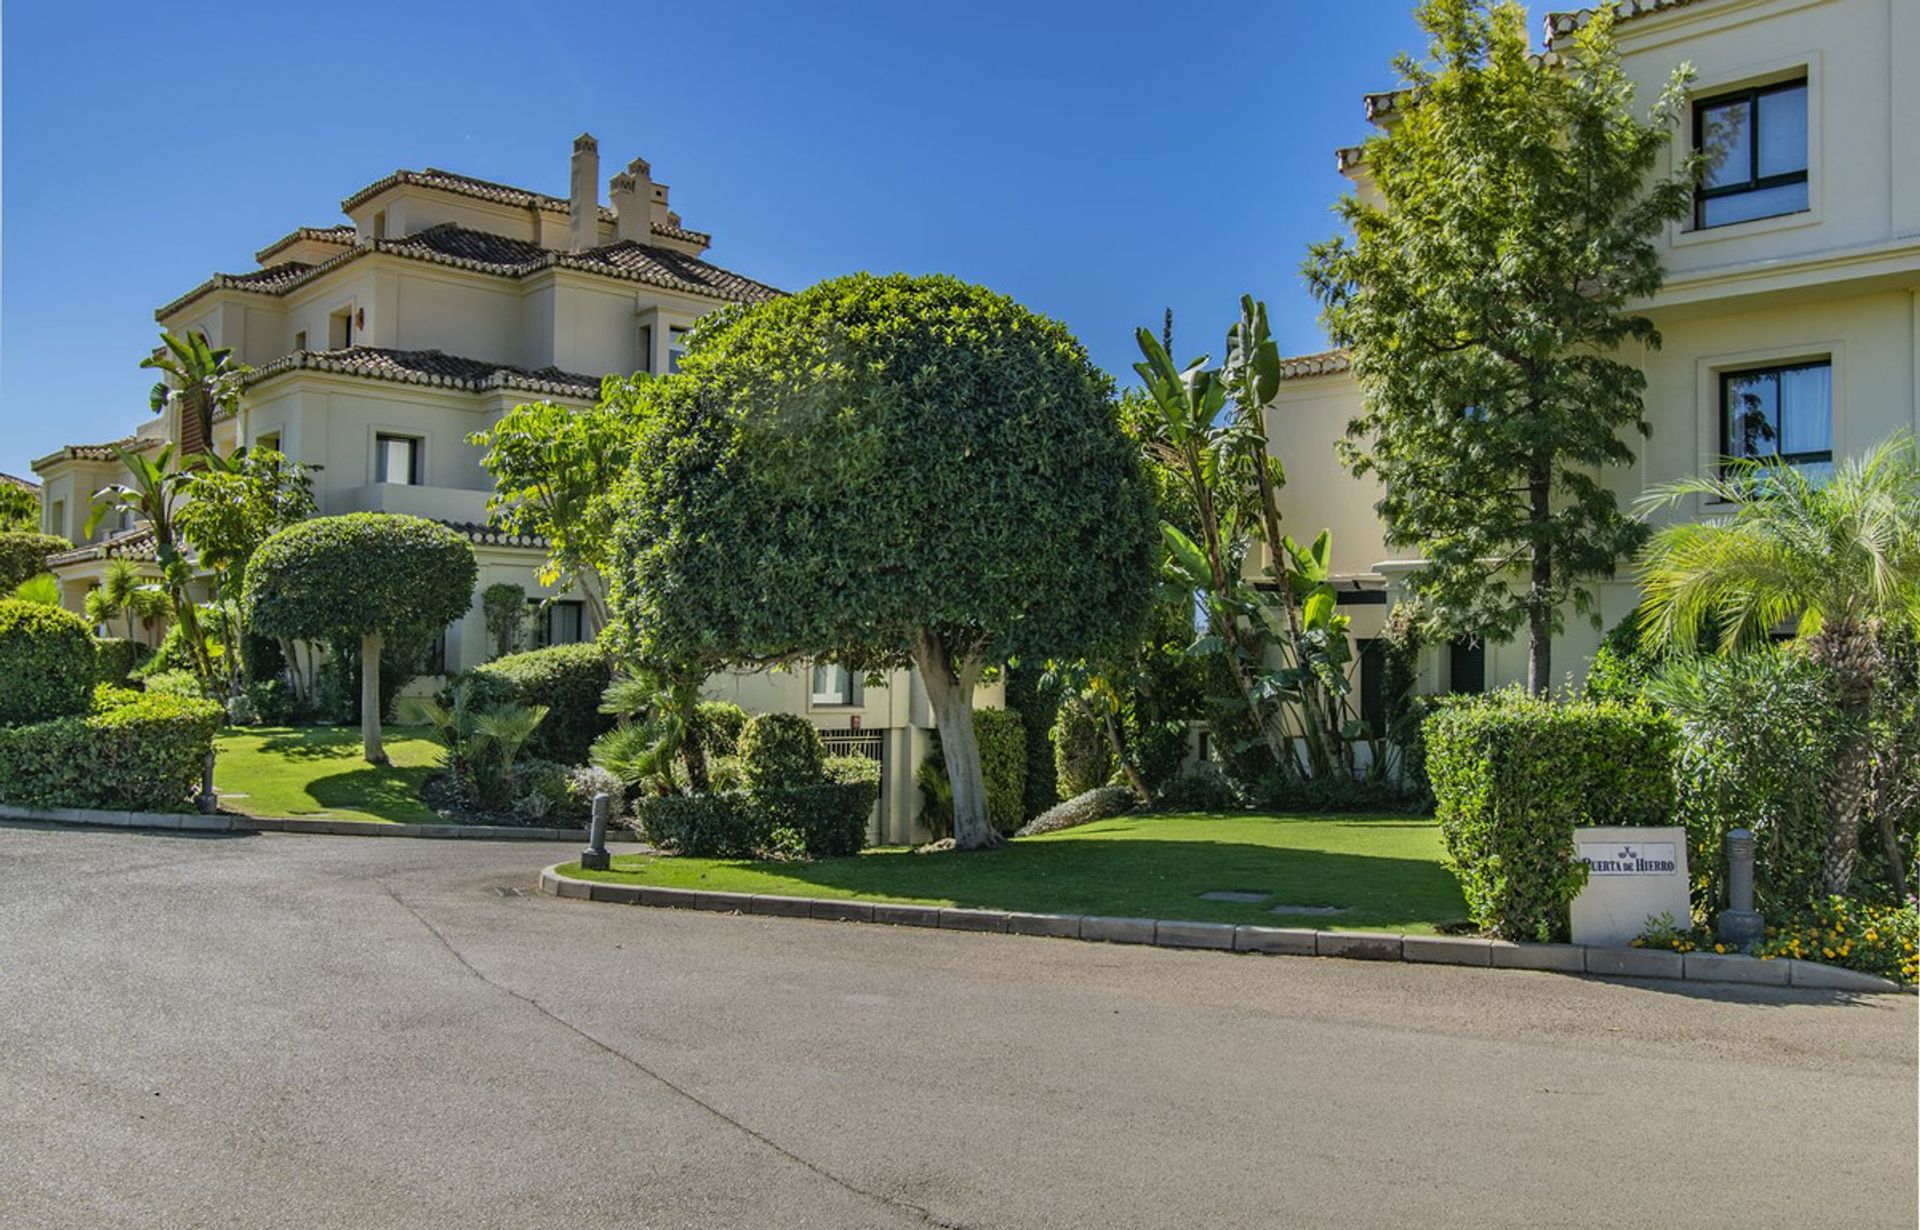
[[1633, 874]]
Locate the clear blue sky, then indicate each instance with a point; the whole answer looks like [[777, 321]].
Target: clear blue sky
[[1099, 161]]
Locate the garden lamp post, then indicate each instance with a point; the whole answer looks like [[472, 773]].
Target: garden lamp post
[[595, 856]]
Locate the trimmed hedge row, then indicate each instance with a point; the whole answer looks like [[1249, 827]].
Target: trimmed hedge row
[[1513, 775], [1002, 736], [116, 657], [135, 752], [47, 663], [828, 820], [24, 554], [567, 679]]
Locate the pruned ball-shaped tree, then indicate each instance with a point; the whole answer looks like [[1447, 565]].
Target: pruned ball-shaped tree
[[46, 662], [24, 555], [369, 575], [883, 470]]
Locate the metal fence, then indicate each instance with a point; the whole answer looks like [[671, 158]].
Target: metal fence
[[865, 743]]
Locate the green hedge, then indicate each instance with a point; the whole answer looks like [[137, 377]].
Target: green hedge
[[1003, 766], [47, 663], [1514, 775], [781, 750], [703, 825], [116, 658], [567, 679], [1036, 698], [24, 555], [1082, 757], [134, 752], [824, 820], [721, 722]]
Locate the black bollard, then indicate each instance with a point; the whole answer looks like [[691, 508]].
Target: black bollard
[[595, 856], [1740, 924]]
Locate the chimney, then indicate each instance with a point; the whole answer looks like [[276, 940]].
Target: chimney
[[632, 195], [583, 196]]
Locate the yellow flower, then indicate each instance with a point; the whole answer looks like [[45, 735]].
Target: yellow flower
[[1829, 953], [1719, 947]]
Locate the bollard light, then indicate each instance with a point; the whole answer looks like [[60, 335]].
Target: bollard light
[[208, 802], [1740, 925], [595, 856]]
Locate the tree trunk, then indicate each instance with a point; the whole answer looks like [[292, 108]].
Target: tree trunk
[[950, 691], [593, 593], [370, 698], [1118, 743], [693, 753], [1846, 796], [1539, 609]]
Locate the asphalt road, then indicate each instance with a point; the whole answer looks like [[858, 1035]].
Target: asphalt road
[[281, 1030]]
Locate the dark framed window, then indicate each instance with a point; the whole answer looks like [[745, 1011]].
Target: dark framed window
[[1763, 170], [1783, 412], [834, 685], [564, 622], [646, 348], [676, 347], [396, 459], [1467, 666], [1373, 694]]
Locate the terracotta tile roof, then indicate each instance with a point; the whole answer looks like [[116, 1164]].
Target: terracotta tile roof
[[430, 367], [500, 194], [461, 248], [1326, 363], [136, 545], [1559, 25], [490, 536], [110, 451], [14, 480], [342, 235]]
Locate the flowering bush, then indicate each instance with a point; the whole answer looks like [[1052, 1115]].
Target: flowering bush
[[1855, 935]]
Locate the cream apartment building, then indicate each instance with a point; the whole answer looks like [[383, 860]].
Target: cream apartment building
[[1790, 318], [378, 344]]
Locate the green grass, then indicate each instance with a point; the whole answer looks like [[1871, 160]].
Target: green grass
[[1384, 870], [316, 772]]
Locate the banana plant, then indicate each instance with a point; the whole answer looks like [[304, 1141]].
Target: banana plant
[[207, 382]]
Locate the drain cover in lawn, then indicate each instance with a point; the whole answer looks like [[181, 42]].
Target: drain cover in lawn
[[1308, 909], [1246, 895]]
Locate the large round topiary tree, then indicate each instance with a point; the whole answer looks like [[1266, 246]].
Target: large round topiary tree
[[46, 662], [24, 555], [881, 470], [366, 574]]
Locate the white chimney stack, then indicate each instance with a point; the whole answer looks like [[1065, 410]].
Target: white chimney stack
[[583, 196], [631, 192]]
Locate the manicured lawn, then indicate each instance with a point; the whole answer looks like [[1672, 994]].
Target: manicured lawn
[[1385, 871], [316, 772]]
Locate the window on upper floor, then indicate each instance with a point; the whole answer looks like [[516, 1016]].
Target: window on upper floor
[[1783, 412], [676, 347], [396, 459], [269, 440], [834, 685], [1761, 134], [57, 518], [340, 329], [300, 340]]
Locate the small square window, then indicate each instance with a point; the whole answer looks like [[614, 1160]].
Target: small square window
[[1761, 138], [397, 460], [834, 685], [1782, 413]]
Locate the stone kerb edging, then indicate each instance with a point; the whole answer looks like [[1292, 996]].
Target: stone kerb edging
[[1231, 937], [223, 823]]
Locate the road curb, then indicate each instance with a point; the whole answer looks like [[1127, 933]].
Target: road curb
[[1637, 963], [89, 817]]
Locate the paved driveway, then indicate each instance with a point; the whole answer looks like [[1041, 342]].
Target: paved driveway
[[311, 1031]]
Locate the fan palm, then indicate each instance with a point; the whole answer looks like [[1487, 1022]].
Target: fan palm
[[41, 590], [124, 593], [1839, 559]]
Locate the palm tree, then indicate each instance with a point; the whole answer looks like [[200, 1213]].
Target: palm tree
[[153, 498], [124, 592], [1840, 559], [207, 382]]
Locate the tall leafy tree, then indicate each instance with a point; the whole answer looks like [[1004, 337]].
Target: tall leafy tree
[[1839, 559], [552, 470], [1484, 300], [883, 470], [19, 508]]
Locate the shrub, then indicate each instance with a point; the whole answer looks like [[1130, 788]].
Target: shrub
[[588, 780], [1759, 734], [703, 825], [1332, 795], [172, 655], [1873, 939], [780, 750], [274, 703], [1514, 774], [829, 820], [542, 793], [1082, 757], [567, 679], [850, 770], [135, 752], [116, 657], [1036, 698], [1201, 787], [1622, 667], [181, 683], [1158, 751], [1003, 766], [1101, 803], [503, 605], [721, 722], [47, 662], [24, 555]]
